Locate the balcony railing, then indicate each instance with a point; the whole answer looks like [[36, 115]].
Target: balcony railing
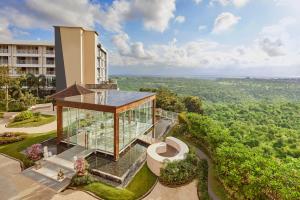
[[49, 52], [27, 62], [27, 51], [50, 62], [50, 73], [3, 62], [3, 50]]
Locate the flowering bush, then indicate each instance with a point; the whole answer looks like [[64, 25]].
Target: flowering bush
[[81, 166], [34, 152]]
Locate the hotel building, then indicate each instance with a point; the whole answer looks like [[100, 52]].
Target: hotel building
[[82, 59], [79, 58], [35, 57]]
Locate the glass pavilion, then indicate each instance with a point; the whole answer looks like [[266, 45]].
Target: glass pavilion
[[107, 121]]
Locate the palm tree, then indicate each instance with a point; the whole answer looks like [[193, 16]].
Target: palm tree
[[32, 82], [42, 81]]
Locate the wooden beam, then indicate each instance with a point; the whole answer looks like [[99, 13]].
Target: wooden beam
[[59, 123], [153, 116], [86, 106], [134, 104], [116, 136]]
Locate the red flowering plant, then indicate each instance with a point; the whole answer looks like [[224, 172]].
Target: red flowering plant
[[81, 166], [34, 152]]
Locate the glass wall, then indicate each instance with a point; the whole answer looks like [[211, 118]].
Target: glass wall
[[95, 129], [88, 128], [133, 123]]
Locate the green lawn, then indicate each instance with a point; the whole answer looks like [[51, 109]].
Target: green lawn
[[1, 114], [108, 192], [139, 185], [144, 178], [32, 122], [14, 149]]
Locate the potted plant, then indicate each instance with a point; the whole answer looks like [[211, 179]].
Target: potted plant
[[34, 153]]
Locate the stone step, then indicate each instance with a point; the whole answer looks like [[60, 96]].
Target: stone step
[[49, 182], [61, 162], [48, 173]]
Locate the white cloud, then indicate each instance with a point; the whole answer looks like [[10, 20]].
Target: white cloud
[[197, 1], [129, 49], [156, 14], [270, 52], [202, 27], [5, 33], [236, 3], [180, 19], [240, 3], [275, 40], [224, 22]]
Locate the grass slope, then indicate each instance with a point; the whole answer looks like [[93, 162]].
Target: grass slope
[[139, 185], [14, 149], [144, 178], [32, 122]]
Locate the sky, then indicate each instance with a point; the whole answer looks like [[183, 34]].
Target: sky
[[258, 38]]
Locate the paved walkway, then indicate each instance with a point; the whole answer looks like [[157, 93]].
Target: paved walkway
[[15, 186], [161, 192], [42, 108]]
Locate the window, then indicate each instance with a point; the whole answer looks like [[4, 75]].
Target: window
[[50, 61]]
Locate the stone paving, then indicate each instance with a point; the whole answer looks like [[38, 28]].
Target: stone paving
[[161, 192]]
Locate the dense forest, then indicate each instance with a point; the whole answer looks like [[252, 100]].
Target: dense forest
[[250, 127]]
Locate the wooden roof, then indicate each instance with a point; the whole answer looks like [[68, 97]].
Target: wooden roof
[[72, 90]]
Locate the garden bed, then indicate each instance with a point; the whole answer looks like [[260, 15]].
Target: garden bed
[[7, 138], [140, 185], [30, 119], [180, 172], [14, 149]]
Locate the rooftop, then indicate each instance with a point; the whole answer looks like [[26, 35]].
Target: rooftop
[[28, 42], [110, 98]]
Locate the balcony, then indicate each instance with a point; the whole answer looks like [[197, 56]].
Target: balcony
[[4, 52], [27, 64], [50, 73], [50, 52], [27, 52]]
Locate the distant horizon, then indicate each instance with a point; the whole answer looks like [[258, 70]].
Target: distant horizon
[[227, 38], [206, 76]]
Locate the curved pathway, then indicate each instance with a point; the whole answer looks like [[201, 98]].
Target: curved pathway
[[203, 156], [161, 192]]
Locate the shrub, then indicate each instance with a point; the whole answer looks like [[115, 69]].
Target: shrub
[[23, 116], [17, 106], [81, 166], [34, 152], [7, 138], [180, 172], [82, 180]]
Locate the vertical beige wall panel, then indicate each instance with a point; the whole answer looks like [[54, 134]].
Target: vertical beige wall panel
[[72, 55]]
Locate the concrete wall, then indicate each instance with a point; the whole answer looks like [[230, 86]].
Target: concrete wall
[[76, 56], [90, 56]]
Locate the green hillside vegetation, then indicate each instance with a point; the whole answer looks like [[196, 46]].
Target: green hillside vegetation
[[249, 127]]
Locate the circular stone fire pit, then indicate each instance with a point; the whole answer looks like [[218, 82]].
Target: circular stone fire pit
[[172, 149]]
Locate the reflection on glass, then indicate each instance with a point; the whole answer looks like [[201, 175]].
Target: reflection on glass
[[133, 123], [88, 128], [95, 129]]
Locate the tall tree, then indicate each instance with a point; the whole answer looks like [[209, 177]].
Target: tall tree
[[7, 82]]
